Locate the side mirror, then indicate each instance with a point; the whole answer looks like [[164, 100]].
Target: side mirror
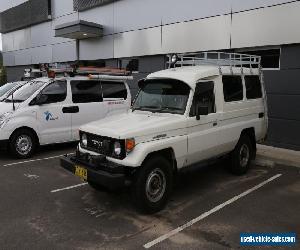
[[201, 110]]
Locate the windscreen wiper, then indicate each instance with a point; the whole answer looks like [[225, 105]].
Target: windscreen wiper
[[147, 108]]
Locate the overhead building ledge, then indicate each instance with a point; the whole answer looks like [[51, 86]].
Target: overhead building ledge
[[79, 29]]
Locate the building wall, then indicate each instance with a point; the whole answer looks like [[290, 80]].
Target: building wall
[[150, 27], [283, 90]]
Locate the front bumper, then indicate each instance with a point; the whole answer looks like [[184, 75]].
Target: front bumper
[[99, 170]]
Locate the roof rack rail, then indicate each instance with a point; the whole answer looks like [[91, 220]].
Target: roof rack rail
[[102, 71], [214, 58], [90, 71]]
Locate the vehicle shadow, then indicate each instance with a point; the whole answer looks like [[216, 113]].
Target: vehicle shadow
[[189, 184], [43, 151]]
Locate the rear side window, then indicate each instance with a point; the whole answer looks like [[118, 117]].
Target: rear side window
[[232, 88], [253, 87], [114, 90], [86, 91]]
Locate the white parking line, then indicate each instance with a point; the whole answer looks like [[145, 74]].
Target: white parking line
[[29, 161], [206, 214], [67, 188]]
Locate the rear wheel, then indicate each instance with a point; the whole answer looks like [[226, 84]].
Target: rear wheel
[[23, 143], [242, 156], [153, 185]]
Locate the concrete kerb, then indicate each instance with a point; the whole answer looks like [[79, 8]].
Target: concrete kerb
[[270, 156]]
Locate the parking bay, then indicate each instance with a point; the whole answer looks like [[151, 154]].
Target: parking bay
[[34, 217]]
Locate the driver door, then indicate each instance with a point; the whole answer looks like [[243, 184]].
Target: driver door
[[54, 125], [202, 133]]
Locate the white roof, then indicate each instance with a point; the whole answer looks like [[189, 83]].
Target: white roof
[[192, 74]]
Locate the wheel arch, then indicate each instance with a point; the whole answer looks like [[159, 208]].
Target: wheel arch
[[167, 153], [27, 128]]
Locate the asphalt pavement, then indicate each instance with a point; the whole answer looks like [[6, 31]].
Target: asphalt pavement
[[45, 207]]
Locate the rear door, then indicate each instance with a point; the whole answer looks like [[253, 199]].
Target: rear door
[[203, 133], [115, 96], [87, 95]]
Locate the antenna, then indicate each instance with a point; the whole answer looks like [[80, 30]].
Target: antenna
[[13, 101]]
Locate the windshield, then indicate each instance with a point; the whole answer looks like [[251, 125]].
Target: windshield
[[162, 95], [23, 93], [7, 87]]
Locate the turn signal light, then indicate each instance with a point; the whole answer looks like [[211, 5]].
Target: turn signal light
[[130, 144]]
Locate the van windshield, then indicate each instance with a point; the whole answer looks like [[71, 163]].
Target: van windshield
[[163, 96], [23, 93]]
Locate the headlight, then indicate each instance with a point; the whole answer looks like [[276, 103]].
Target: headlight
[[117, 148], [4, 118], [84, 140]]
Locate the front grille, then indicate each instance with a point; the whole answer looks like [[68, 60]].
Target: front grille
[[103, 145], [99, 144]]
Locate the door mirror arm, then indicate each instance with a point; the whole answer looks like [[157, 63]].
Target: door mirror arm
[[201, 110]]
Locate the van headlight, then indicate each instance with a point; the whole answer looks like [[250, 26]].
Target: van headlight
[[4, 118], [117, 148], [84, 140]]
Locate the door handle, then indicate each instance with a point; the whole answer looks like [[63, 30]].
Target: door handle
[[215, 124], [70, 110], [261, 115]]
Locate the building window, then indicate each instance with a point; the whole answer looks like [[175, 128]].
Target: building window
[[129, 64], [270, 58]]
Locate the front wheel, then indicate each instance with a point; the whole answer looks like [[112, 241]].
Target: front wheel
[[153, 185], [241, 156], [22, 143]]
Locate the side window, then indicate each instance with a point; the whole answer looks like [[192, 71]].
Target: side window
[[86, 91], [253, 87], [114, 90], [205, 97], [55, 92], [232, 88]]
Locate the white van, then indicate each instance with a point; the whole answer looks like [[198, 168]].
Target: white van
[[51, 110]]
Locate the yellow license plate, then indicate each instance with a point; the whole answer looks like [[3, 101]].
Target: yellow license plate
[[81, 172]]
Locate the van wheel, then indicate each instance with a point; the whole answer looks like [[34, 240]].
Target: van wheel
[[153, 185], [241, 156], [22, 143]]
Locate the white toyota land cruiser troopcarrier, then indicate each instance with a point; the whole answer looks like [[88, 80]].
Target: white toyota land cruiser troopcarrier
[[200, 108]]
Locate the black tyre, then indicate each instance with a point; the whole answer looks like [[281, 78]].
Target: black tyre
[[153, 185], [23, 143], [242, 156]]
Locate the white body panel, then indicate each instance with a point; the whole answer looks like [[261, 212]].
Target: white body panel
[[190, 140], [58, 126]]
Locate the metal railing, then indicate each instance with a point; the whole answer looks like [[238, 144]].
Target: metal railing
[[215, 58]]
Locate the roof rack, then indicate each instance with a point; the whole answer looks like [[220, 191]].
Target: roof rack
[[215, 58], [90, 71]]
